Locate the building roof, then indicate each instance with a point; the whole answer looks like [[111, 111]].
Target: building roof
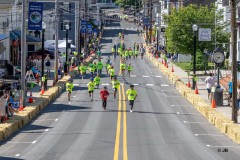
[[16, 34]]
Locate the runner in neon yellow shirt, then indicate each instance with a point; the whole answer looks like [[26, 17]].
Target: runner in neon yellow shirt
[[69, 88], [123, 67], [91, 86], [111, 72], [132, 95], [82, 69], [115, 85], [97, 80], [129, 68]]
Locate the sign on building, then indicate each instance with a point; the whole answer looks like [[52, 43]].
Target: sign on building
[[204, 34]]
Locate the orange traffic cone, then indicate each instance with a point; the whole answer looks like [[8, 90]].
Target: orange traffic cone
[[30, 100], [172, 69], [196, 89], [189, 84], [213, 103], [21, 105], [42, 91]]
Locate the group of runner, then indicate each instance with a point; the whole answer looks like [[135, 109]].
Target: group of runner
[[95, 71]]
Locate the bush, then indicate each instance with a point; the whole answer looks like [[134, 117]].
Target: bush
[[200, 61]]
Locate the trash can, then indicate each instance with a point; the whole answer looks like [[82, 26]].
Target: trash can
[[218, 96]]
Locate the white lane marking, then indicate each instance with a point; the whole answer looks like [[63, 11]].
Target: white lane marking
[[69, 102], [208, 135], [164, 85], [135, 84], [133, 76], [105, 84], [56, 119], [46, 130], [34, 142], [74, 96], [208, 145], [195, 122], [149, 84], [158, 76], [75, 84], [17, 155], [178, 113], [145, 76], [122, 84]]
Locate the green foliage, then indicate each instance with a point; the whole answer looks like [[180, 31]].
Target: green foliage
[[122, 3], [179, 33], [200, 61]]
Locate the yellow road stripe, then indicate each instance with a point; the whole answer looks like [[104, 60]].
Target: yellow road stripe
[[116, 149], [125, 151]]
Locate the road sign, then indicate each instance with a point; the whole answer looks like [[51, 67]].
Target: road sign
[[84, 24], [204, 34]]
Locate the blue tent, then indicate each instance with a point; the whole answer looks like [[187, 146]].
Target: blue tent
[[2, 37]]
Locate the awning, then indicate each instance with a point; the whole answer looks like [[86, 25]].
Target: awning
[[2, 37]]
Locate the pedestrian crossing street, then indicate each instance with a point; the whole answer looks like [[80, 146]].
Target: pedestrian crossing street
[[117, 28]]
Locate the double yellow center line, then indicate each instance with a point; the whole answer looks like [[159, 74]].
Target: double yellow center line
[[121, 102]]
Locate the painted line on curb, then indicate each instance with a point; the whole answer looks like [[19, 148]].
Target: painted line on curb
[[208, 135], [189, 114], [45, 120], [17, 155], [19, 142]]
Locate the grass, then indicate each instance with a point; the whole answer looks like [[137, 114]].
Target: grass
[[186, 65]]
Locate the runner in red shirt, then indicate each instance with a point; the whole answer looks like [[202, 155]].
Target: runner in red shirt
[[103, 95]]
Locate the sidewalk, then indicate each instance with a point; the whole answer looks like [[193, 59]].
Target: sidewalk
[[182, 75]]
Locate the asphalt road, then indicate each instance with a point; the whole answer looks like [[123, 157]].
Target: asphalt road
[[163, 126]]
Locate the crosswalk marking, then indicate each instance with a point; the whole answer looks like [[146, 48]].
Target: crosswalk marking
[[158, 76], [145, 76], [135, 84], [164, 85], [105, 84], [133, 76]]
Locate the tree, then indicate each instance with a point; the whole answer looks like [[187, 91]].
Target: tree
[[122, 3], [179, 33]]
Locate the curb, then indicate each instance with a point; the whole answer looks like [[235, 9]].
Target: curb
[[32, 109], [222, 123]]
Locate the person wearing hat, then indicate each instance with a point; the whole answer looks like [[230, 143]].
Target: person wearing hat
[[69, 88], [103, 95], [132, 95], [91, 86]]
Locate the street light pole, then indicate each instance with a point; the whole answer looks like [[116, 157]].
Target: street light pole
[[43, 36], [205, 66], [194, 27], [66, 63]]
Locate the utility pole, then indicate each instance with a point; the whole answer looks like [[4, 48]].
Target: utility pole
[[56, 43], [23, 53], [234, 60], [77, 19], [150, 30]]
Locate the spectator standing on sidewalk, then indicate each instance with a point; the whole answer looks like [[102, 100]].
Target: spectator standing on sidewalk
[[210, 82], [230, 91]]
